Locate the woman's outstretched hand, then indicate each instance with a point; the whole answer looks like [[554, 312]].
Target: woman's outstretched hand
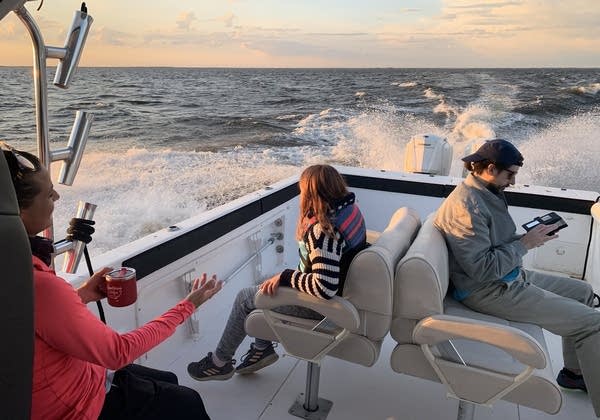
[[203, 289], [94, 289]]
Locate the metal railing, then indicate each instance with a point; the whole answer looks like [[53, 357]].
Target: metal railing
[[69, 59]]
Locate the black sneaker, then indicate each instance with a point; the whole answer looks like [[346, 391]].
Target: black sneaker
[[257, 359], [570, 380], [206, 370]]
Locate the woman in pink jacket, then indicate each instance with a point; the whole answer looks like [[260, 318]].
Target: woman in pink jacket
[[82, 367]]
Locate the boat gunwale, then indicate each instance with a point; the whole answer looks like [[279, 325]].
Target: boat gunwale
[[166, 252]]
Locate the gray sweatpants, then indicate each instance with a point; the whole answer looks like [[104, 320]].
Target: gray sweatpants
[[558, 304], [234, 332]]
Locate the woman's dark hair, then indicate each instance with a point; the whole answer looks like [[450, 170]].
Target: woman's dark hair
[[22, 165]]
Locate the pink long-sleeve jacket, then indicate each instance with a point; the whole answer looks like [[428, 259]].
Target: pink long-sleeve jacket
[[73, 348]]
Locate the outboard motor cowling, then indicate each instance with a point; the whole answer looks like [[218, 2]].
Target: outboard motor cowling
[[428, 154]]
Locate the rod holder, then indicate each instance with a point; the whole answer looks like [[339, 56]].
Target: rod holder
[[68, 56], [73, 255], [76, 37], [72, 154], [62, 246]]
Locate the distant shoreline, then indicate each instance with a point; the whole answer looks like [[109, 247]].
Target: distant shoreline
[[324, 68]]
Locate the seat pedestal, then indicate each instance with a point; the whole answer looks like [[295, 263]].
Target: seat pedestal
[[466, 410], [308, 405]]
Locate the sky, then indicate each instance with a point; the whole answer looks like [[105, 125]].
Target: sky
[[319, 33]]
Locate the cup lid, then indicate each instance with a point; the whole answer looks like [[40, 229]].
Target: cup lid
[[121, 273]]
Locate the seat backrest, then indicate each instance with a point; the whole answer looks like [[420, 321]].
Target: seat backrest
[[370, 276], [420, 282], [471, 368], [16, 308]]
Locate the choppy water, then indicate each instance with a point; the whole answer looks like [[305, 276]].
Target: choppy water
[[169, 143]]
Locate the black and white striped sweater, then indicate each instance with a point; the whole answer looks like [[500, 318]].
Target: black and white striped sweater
[[325, 254]]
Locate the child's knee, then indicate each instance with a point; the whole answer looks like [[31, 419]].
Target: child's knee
[[587, 293]]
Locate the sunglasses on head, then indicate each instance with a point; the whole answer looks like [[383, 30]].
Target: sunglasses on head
[[23, 163]]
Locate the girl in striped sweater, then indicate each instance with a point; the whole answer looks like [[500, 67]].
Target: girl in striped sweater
[[330, 231]]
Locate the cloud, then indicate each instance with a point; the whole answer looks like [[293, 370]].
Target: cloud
[[457, 33], [284, 47], [109, 36], [461, 33], [192, 39], [12, 28], [227, 19], [185, 19], [11, 31], [479, 6], [504, 32], [337, 34]]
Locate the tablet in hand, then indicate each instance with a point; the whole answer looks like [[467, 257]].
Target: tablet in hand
[[546, 219]]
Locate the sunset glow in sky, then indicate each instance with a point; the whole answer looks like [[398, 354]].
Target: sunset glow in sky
[[324, 33]]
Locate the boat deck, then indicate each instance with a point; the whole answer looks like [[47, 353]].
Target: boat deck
[[357, 392]]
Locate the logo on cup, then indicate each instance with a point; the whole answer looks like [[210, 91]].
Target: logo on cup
[[114, 293]]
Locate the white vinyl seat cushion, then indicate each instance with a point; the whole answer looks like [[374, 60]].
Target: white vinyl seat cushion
[[493, 350], [367, 289]]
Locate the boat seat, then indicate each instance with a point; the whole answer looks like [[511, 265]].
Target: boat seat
[[479, 358], [356, 322], [16, 310]]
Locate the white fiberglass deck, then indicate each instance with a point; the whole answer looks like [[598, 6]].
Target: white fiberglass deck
[[357, 392]]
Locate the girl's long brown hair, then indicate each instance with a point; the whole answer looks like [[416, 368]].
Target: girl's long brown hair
[[320, 187]]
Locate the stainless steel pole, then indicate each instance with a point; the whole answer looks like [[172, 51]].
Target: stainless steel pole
[[40, 84]]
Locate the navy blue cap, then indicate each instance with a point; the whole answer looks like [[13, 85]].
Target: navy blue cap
[[497, 151]]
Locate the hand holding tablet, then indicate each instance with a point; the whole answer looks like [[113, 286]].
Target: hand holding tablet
[[547, 219]]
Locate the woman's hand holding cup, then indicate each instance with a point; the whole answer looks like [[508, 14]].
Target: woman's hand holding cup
[[203, 289], [94, 289]]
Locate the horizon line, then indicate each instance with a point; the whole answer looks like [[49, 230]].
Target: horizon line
[[330, 68]]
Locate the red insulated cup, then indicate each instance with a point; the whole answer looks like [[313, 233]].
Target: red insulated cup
[[121, 287]]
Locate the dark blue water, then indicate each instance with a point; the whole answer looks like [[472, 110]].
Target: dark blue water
[[168, 143], [215, 109]]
